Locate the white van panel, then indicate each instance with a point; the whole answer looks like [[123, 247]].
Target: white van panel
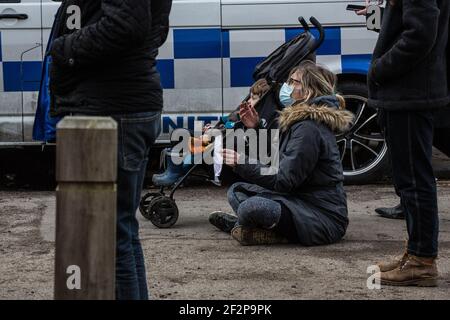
[[195, 13], [255, 43], [30, 7], [358, 40], [49, 9], [284, 13]]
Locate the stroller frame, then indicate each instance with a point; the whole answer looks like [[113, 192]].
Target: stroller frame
[[161, 209]]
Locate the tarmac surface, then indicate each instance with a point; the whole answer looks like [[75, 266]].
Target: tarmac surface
[[193, 260]]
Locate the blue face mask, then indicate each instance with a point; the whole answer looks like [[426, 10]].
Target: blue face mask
[[285, 95]]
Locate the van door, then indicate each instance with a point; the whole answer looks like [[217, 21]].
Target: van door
[[20, 66]]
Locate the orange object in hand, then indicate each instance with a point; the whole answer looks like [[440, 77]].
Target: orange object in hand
[[198, 145]]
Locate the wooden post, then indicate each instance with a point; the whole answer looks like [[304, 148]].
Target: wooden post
[[86, 172]]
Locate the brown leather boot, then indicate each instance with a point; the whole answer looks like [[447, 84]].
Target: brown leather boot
[[414, 271], [392, 264], [254, 236]]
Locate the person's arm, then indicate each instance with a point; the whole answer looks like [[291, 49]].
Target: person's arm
[[420, 23], [296, 163], [124, 24], [363, 12]]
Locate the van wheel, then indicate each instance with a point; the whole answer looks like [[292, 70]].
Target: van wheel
[[364, 151]]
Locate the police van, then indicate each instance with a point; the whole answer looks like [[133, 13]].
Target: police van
[[206, 65]]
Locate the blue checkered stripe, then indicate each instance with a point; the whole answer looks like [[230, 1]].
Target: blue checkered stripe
[[212, 58], [235, 53]]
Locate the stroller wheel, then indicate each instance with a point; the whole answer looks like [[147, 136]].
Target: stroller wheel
[[163, 212], [144, 205]]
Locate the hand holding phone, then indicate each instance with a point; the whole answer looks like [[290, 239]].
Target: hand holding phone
[[354, 7], [362, 10]]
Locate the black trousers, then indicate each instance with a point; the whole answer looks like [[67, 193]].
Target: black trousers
[[441, 140], [409, 136]]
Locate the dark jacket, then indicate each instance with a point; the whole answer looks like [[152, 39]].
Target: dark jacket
[[108, 66], [309, 181], [409, 66]]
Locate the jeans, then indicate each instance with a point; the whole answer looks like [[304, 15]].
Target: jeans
[[136, 134], [409, 136], [256, 211], [253, 211]]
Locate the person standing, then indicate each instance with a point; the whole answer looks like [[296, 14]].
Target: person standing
[[104, 64], [407, 81], [440, 142]]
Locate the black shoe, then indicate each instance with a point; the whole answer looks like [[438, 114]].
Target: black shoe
[[224, 221], [391, 213]]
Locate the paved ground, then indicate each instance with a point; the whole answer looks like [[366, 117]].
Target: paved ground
[[195, 261]]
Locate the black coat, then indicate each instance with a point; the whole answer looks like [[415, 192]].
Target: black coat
[[109, 65], [409, 66], [309, 181]]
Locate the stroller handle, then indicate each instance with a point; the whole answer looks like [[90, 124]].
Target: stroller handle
[[321, 30], [318, 26], [303, 23]]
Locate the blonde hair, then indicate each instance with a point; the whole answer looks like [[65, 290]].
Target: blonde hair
[[315, 81]]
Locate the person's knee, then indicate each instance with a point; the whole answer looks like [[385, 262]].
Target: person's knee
[[260, 212], [231, 192]]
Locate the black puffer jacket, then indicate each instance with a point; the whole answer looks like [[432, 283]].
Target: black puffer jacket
[[409, 67], [108, 66]]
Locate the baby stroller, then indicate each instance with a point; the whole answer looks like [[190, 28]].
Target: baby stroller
[[160, 208]]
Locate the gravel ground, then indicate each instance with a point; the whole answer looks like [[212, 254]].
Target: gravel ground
[[194, 261]]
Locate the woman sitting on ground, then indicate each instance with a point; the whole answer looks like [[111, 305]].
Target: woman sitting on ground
[[304, 202]]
